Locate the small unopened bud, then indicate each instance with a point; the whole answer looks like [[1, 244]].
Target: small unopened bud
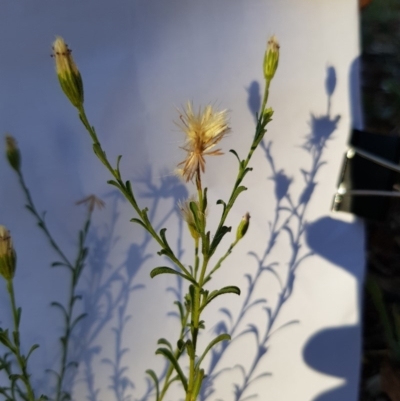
[[243, 227], [12, 152], [267, 114], [187, 215], [68, 73], [8, 257], [271, 58]]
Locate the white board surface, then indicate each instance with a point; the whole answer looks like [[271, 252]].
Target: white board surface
[[140, 60]]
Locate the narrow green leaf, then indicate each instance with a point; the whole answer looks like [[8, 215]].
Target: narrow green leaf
[[238, 191], [175, 378], [168, 270], [168, 354], [181, 312], [221, 202], [231, 289], [35, 346], [197, 383], [137, 221], [205, 201], [4, 339], [128, 187], [144, 216], [204, 298], [221, 337], [164, 239], [99, 152], [61, 307], [114, 183], [218, 237], [190, 349], [237, 156], [195, 212], [163, 341], [117, 169], [155, 380]]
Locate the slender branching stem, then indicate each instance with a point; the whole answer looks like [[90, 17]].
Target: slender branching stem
[[69, 320], [75, 271], [177, 354], [41, 222], [21, 360], [127, 192]]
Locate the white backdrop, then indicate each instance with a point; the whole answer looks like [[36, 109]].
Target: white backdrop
[[139, 60]]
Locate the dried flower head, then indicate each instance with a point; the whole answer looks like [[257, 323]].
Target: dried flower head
[[92, 201], [203, 130], [8, 257], [12, 153], [68, 73]]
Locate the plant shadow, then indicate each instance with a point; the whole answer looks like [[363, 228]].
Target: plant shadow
[[290, 219]]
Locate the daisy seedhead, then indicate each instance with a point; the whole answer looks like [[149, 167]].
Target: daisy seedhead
[[68, 73], [92, 202], [8, 257], [203, 131]]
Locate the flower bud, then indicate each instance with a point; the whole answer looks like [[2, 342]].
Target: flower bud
[[8, 257], [12, 152], [188, 216], [67, 72], [267, 115], [243, 226], [271, 58]]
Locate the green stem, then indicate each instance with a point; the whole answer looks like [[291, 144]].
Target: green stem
[[75, 270], [265, 98], [244, 163], [196, 257], [177, 354], [127, 192], [195, 323], [86, 123], [75, 274], [16, 336], [189, 393], [221, 260], [41, 221]]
